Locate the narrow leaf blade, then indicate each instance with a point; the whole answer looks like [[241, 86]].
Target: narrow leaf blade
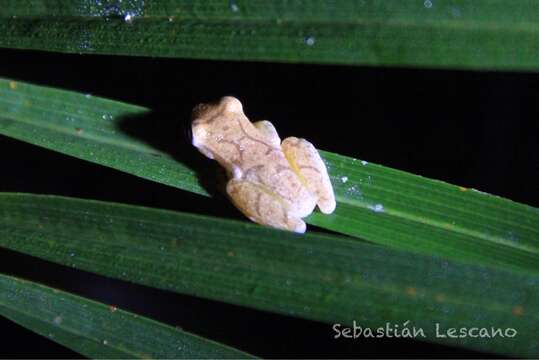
[[327, 278], [478, 34], [406, 211], [97, 330]]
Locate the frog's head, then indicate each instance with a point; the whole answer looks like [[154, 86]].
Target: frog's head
[[212, 123]]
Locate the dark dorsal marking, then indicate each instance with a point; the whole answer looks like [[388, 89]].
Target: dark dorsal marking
[[246, 135], [308, 167]]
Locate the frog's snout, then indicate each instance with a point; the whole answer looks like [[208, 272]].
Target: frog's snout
[[187, 128], [188, 132], [199, 112], [197, 132]]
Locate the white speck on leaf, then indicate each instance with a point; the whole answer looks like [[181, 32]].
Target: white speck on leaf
[[344, 179], [310, 40], [377, 208], [428, 4], [354, 191], [233, 6], [363, 162]]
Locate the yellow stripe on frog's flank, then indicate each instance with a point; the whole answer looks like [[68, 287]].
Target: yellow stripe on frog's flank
[[295, 168]]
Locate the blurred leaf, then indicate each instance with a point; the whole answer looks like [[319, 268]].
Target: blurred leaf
[[327, 278], [375, 203], [97, 330], [480, 34]]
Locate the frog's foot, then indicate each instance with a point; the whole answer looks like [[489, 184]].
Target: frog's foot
[[306, 162], [263, 206]]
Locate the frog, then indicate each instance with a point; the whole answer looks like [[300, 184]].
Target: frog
[[272, 182]]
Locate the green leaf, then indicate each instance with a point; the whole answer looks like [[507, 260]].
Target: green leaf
[[479, 34], [375, 203], [407, 211], [97, 330], [321, 277]]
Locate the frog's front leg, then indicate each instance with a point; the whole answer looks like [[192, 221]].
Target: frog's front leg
[[269, 132], [263, 206], [306, 162]]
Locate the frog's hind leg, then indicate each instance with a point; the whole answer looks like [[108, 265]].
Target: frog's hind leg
[[306, 162], [262, 206], [268, 131]]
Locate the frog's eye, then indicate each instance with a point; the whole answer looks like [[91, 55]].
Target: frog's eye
[[200, 110]]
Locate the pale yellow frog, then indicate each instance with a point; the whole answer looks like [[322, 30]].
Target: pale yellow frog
[[272, 183]]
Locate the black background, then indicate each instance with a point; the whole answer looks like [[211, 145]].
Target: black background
[[473, 129]]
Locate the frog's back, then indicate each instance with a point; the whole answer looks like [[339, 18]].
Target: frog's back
[[276, 175]]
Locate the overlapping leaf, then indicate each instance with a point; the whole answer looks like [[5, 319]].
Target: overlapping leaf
[[484, 34], [375, 203], [327, 278], [97, 330]]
